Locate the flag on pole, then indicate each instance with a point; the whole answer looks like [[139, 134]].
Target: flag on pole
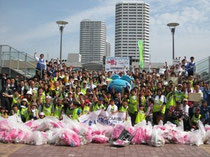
[[141, 60]]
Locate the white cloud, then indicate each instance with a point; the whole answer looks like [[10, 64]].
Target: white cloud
[[191, 37]]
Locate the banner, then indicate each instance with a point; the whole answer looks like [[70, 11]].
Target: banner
[[196, 97], [141, 59], [174, 79], [103, 117], [117, 64]]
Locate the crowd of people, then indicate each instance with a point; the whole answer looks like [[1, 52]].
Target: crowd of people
[[57, 90]]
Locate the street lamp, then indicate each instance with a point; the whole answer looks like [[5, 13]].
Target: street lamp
[[61, 25], [172, 26]]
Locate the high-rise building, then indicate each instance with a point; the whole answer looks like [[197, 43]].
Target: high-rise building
[[74, 57], [108, 49], [131, 25], [92, 41]]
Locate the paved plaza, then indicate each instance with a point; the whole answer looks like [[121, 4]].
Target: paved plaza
[[103, 150]]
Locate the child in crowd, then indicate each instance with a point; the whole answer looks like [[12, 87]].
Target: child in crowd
[[112, 108], [140, 115], [196, 118]]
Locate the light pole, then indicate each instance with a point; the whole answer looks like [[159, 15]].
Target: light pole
[[172, 26], [61, 25]]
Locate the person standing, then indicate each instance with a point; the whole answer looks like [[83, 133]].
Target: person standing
[[112, 108], [58, 110], [191, 66], [159, 107], [133, 106], [47, 108], [41, 64]]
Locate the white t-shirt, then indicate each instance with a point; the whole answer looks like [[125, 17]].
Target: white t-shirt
[[185, 109], [111, 108]]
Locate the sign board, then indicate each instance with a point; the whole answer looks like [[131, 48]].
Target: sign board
[[176, 61], [103, 117], [174, 79], [196, 97], [117, 64]]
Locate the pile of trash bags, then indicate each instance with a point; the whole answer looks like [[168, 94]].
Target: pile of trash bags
[[73, 133]]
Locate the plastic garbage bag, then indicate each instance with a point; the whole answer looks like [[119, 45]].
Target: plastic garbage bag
[[11, 136], [38, 138], [194, 138], [156, 139], [117, 131], [4, 125], [143, 132], [100, 139], [207, 127], [23, 136], [85, 135], [63, 136], [140, 136], [3, 135], [47, 124]]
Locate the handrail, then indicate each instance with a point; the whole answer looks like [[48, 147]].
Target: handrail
[[24, 53], [200, 61], [34, 65], [18, 56]]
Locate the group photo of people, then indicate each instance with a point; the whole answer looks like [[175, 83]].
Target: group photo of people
[[58, 90]]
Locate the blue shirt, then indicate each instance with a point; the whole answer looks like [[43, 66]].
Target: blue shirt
[[190, 66]]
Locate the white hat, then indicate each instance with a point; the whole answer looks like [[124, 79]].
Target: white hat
[[34, 104], [42, 114], [24, 99], [75, 78], [85, 82], [29, 93], [180, 85]]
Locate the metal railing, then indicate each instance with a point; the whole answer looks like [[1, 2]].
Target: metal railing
[[203, 69], [16, 60]]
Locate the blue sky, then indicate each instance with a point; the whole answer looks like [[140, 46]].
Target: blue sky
[[29, 25]]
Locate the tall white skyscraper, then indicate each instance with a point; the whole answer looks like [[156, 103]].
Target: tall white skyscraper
[[131, 25], [108, 49], [92, 41]]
